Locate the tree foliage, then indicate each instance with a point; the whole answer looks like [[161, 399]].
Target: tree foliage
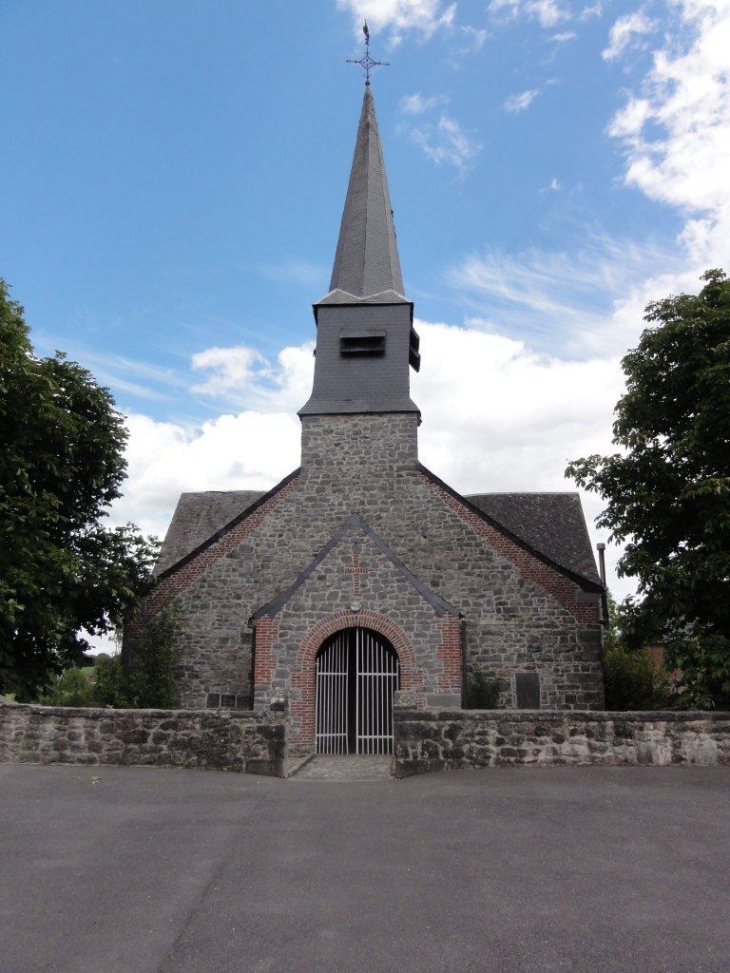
[[150, 676], [634, 678], [61, 465], [668, 490]]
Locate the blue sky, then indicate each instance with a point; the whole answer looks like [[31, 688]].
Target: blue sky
[[174, 171]]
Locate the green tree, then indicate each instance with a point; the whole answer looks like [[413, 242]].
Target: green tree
[[70, 688], [668, 490], [150, 676], [61, 465], [634, 679], [110, 688]]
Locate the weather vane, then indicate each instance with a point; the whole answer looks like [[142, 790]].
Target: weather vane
[[366, 61]]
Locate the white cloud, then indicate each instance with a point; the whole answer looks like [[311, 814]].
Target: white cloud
[[564, 36], [475, 38], [514, 417], [398, 17], [250, 450], [547, 13], [445, 141], [244, 376], [231, 368], [296, 270], [417, 104], [583, 303], [512, 422], [624, 31], [555, 185], [520, 102], [595, 10], [675, 129]]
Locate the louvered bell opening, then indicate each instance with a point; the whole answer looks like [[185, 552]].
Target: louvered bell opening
[[363, 345], [414, 357]]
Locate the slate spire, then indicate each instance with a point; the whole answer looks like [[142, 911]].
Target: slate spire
[[366, 342], [366, 265]]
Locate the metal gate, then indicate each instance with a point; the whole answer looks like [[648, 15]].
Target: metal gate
[[357, 673]]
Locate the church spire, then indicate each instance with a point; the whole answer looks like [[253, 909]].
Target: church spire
[[366, 266], [365, 336]]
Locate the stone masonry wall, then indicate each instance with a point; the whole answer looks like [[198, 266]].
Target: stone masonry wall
[[357, 585], [521, 614], [220, 740], [428, 740]]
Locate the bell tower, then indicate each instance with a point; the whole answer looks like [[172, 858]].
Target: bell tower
[[366, 343]]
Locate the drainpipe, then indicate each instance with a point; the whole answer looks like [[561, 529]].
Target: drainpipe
[[253, 660], [601, 548], [462, 639]]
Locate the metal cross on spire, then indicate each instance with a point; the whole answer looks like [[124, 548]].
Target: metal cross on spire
[[366, 61]]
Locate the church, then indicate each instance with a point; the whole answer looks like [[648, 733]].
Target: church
[[362, 574]]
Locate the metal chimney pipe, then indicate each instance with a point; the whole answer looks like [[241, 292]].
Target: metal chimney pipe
[[601, 548]]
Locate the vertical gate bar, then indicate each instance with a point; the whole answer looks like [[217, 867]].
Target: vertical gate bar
[[343, 699], [338, 694], [368, 708], [384, 699], [373, 693], [374, 704], [366, 683], [376, 651], [340, 708], [329, 697], [383, 696], [357, 692], [364, 644], [325, 687], [333, 697], [369, 669], [316, 706], [365, 692]]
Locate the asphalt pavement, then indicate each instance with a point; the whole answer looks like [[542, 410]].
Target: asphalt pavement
[[511, 870]]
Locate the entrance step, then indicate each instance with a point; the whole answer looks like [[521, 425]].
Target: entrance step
[[353, 767]]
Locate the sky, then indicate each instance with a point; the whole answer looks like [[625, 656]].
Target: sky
[[172, 180]]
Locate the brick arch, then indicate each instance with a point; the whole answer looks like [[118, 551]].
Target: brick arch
[[304, 677], [326, 627]]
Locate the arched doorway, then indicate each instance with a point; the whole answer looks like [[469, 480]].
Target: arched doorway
[[357, 673]]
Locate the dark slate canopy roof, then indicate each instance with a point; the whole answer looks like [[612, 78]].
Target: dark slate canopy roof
[[551, 523]]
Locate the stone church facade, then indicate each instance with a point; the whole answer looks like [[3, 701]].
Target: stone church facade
[[362, 572]]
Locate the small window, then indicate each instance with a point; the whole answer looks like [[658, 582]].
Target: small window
[[527, 688], [370, 345]]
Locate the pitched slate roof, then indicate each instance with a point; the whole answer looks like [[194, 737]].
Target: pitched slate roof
[[366, 264], [551, 523], [197, 517]]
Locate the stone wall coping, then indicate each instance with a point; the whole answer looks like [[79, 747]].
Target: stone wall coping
[[95, 712], [544, 716]]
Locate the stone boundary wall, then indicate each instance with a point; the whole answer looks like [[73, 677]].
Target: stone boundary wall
[[429, 740], [216, 739]]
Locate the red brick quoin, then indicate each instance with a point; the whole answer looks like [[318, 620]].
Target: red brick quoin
[[303, 677]]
